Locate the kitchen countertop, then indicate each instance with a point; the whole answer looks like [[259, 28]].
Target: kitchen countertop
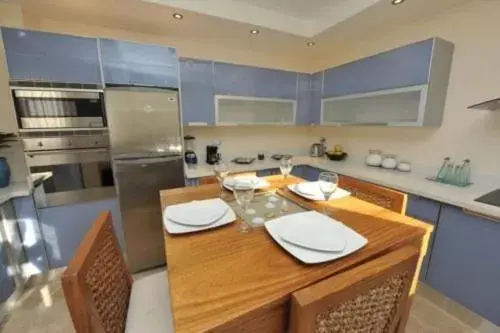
[[413, 182]]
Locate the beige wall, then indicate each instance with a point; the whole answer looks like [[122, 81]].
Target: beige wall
[[475, 76]]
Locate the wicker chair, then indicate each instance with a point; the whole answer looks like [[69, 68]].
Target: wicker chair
[[101, 295], [378, 195], [370, 298]]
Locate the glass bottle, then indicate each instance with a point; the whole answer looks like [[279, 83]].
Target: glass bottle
[[465, 173], [442, 171], [457, 173], [448, 176]]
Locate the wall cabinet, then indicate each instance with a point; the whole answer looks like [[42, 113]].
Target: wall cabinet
[[304, 99], [42, 56], [427, 211], [238, 80], [465, 264], [139, 64], [64, 227], [316, 93], [197, 92], [403, 87]]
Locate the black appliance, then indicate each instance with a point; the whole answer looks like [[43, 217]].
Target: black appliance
[[491, 198], [189, 150], [212, 154]]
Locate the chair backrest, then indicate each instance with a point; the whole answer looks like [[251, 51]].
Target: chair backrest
[[97, 283], [369, 298], [378, 195]]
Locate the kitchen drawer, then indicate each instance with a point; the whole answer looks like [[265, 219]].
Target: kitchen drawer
[[423, 209]]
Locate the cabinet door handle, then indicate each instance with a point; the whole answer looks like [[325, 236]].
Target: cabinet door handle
[[481, 215]]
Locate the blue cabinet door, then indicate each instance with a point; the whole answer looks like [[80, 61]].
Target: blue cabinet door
[[304, 99], [427, 211], [465, 264], [64, 227], [42, 56], [311, 173], [401, 67], [197, 92], [139, 64], [238, 80], [316, 95], [298, 171]]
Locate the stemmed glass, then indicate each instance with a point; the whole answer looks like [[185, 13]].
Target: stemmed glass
[[221, 170], [286, 167], [243, 193], [328, 182]]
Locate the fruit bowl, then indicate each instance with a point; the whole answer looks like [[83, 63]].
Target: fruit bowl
[[336, 157]]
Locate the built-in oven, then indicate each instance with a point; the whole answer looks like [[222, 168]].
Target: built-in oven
[[63, 108], [71, 169]]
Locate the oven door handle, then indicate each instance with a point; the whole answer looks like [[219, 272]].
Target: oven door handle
[[66, 151], [147, 161]]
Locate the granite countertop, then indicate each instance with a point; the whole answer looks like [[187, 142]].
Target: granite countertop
[[413, 182], [14, 190]]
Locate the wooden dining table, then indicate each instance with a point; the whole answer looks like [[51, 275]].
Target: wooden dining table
[[223, 280]]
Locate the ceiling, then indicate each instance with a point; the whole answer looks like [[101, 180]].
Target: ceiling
[[299, 17]]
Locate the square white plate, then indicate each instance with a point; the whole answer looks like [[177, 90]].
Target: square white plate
[[197, 213], [176, 228], [314, 193], [317, 232], [354, 241], [259, 182]]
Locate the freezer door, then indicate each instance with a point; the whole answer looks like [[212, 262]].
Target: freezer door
[[142, 119], [139, 182]]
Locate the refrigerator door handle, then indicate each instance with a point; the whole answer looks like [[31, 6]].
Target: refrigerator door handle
[[146, 161]]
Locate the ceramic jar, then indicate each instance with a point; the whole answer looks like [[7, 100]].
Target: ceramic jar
[[374, 158]]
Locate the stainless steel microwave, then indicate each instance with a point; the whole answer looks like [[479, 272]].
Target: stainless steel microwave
[[48, 108]]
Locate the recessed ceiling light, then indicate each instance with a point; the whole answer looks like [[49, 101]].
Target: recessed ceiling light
[[311, 43], [397, 2], [254, 31], [178, 16]]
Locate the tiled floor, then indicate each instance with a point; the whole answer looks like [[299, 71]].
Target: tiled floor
[[43, 310]]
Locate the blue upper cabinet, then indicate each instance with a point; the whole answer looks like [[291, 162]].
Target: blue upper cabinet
[[42, 56], [238, 80], [316, 92], [402, 67], [465, 264], [304, 94], [128, 63], [197, 92]]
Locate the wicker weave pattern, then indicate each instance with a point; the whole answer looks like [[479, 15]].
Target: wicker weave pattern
[[370, 197], [370, 312], [108, 284]]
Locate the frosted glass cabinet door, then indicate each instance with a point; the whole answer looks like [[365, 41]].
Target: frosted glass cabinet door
[[139, 64], [304, 94], [316, 92], [42, 56], [197, 92], [401, 67], [237, 80]]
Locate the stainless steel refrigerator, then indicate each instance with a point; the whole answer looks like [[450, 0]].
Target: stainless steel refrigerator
[[145, 137]]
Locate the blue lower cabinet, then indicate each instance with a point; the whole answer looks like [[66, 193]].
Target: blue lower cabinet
[[311, 173], [465, 261], [268, 172], [192, 182], [298, 171], [427, 211], [64, 227]]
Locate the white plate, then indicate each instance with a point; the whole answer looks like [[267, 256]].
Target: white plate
[[197, 213], [317, 232], [259, 183], [354, 241], [311, 191], [175, 228]]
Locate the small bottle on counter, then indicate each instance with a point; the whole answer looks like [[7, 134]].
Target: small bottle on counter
[[441, 175], [464, 177]]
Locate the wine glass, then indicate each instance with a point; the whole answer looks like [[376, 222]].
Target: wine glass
[[221, 170], [328, 182], [286, 167], [243, 193]]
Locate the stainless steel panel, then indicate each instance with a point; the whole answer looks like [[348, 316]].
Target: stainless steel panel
[[62, 122], [138, 186], [75, 156], [56, 94], [77, 196], [65, 142], [143, 120]]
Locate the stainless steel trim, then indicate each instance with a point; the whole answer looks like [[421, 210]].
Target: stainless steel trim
[[74, 156], [146, 161], [61, 122], [65, 142], [481, 215], [79, 196], [56, 94], [72, 129]]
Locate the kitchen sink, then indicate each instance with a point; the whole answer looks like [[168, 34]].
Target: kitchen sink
[[491, 198]]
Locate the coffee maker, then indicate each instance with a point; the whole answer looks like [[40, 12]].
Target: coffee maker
[[189, 150], [213, 154]]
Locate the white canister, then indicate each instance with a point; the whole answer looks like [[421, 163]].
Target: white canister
[[374, 158], [404, 166], [389, 162]]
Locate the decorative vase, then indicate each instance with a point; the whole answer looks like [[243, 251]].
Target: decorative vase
[[4, 172]]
